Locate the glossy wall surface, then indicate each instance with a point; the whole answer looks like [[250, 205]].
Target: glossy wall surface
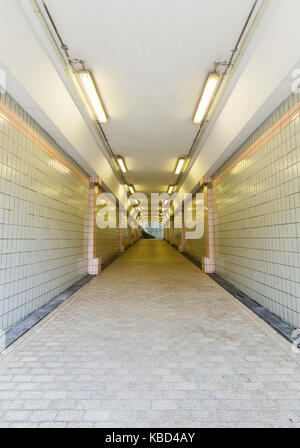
[[256, 198], [43, 216]]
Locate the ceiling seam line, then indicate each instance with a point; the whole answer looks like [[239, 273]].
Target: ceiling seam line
[[71, 62], [231, 63]]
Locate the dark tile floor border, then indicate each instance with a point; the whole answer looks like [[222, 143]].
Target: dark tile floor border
[[270, 318], [35, 317], [18, 330], [30, 321]]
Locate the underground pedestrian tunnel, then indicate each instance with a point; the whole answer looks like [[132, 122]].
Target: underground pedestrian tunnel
[[116, 310]]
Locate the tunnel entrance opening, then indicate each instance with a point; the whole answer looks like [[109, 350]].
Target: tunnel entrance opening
[[152, 230]]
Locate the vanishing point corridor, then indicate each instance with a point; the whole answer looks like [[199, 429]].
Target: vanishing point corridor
[[149, 217], [151, 342]]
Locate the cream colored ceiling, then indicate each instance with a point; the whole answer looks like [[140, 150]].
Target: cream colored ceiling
[[150, 60]]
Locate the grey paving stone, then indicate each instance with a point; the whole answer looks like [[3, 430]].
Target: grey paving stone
[[151, 342], [15, 416], [95, 416], [42, 416], [69, 416]]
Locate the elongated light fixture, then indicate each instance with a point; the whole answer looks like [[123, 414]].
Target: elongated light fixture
[[179, 165], [93, 96], [207, 95], [170, 189], [121, 164], [131, 189]]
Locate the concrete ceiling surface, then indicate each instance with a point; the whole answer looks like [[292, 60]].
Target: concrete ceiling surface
[[34, 82], [150, 61], [263, 81]]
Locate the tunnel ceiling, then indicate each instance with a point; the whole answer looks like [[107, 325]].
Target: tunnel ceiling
[[150, 61]]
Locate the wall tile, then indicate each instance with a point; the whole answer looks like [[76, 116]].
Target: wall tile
[[257, 219], [43, 221]]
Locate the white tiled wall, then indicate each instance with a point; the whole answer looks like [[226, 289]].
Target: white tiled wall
[[107, 243], [43, 223], [177, 237], [107, 239], [194, 247], [125, 237], [257, 220]]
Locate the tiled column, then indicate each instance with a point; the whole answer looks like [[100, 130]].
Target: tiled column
[[172, 232], [181, 245], [168, 235], [136, 234], [121, 247], [208, 262], [132, 234], [94, 262]]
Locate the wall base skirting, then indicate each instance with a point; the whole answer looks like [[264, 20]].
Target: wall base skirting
[[94, 266], [284, 328], [208, 265], [270, 318], [11, 335], [18, 330]]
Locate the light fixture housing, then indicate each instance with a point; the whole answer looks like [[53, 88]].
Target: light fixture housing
[[179, 165], [121, 164], [206, 97], [131, 189], [170, 189], [92, 96]]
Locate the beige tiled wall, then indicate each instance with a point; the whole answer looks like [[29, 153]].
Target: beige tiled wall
[[177, 237], [126, 237], [107, 243], [194, 247], [43, 217], [108, 239], [257, 214]]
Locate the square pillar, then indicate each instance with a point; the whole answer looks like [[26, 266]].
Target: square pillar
[[182, 236], [94, 262], [208, 262]]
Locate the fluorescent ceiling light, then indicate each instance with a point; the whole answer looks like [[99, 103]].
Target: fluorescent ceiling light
[[131, 188], [93, 96], [179, 166], [208, 92], [170, 189], [121, 164]]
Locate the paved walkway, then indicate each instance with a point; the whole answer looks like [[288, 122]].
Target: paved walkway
[[150, 342]]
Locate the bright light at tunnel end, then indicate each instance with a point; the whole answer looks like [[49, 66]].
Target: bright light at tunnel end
[[138, 210]]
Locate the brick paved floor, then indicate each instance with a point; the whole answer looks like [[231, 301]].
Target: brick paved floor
[[151, 342]]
